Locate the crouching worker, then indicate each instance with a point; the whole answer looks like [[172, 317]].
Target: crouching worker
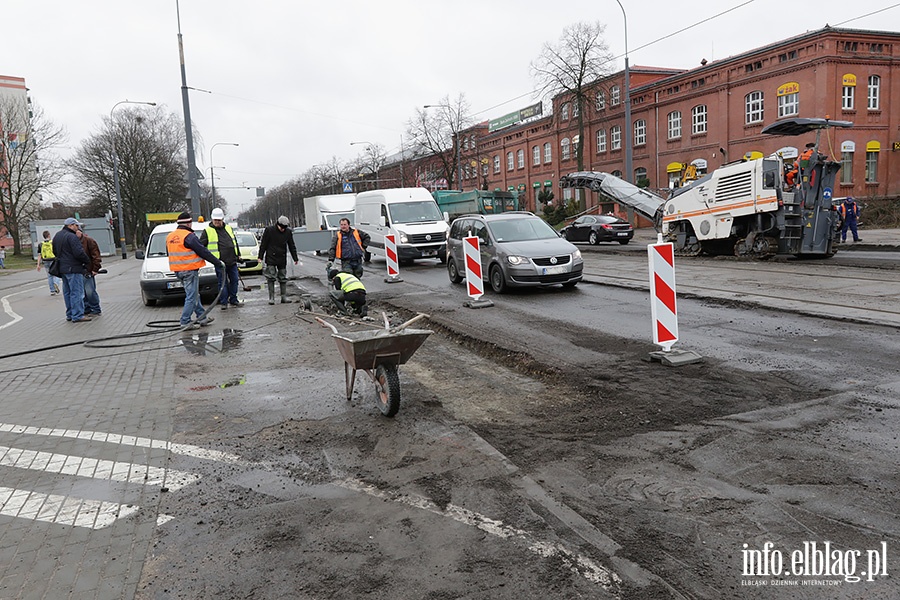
[[348, 290]]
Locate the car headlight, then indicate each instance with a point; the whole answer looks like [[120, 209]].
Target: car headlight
[[207, 270], [404, 239], [576, 256], [154, 275], [517, 260]]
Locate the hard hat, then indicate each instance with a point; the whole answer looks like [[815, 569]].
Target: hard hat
[[218, 214]]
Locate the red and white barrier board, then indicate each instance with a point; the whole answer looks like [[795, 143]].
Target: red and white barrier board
[[390, 252], [474, 282], [663, 309]]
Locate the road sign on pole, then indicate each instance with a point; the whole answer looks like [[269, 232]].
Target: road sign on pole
[[348, 187]]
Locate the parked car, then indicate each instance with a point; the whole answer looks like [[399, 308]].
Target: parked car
[[158, 282], [598, 228], [249, 247], [518, 249]]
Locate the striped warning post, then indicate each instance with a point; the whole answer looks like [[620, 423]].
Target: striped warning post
[[663, 308], [474, 282], [390, 252]]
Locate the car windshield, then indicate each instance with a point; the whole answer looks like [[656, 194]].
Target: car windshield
[[157, 245], [609, 219], [414, 212], [521, 230], [245, 239], [334, 220]]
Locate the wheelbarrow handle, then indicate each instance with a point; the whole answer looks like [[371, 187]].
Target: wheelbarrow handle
[[408, 323], [327, 324]]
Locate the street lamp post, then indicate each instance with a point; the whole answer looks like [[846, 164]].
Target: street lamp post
[[368, 145], [455, 141], [119, 212], [629, 133], [212, 176]]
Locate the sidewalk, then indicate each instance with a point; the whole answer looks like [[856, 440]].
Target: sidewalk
[[870, 239]]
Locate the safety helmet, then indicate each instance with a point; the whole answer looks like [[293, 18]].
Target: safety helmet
[[218, 214]]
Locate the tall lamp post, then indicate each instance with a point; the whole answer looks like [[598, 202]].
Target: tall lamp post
[[116, 175], [212, 176], [455, 141], [368, 145], [628, 130]]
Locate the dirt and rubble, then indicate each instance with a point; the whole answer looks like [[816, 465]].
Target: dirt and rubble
[[504, 476]]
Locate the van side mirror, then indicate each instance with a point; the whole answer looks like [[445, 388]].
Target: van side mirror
[[139, 254], [382, 221]]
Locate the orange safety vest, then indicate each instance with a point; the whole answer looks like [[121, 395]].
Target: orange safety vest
[[182, 258], [337, 252]]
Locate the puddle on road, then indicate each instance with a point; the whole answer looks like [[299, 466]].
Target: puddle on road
[[202, 343]]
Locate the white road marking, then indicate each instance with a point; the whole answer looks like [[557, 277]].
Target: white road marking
[[7, 307], [62, 510]]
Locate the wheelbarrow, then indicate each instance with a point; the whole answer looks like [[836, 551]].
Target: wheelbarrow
[[378, 353]]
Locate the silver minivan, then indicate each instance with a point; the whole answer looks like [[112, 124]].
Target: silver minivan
[[518, 249]]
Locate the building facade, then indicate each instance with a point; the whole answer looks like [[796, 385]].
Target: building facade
[[14, 112], [698, 119]]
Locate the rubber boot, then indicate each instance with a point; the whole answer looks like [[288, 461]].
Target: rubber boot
[[284, 298], [271, 284]]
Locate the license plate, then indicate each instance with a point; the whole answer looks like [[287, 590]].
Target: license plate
[[622, 233], [429, 253], [554, 270], [174, 284]]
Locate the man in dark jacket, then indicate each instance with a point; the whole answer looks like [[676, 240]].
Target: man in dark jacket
[[91, 297], [349, 245], [276, 240], [73, 264]]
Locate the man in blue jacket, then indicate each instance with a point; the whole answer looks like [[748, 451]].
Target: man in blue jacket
[[73, 264]]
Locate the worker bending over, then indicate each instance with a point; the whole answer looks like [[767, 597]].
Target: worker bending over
[[348, 290]]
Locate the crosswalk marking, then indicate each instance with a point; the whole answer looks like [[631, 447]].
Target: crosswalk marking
[[62, 510]]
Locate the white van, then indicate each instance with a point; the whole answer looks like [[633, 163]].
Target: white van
[[158, 281], [411, 214]]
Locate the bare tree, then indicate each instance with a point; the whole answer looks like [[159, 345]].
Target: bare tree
[[27, 166], [435, 131], [570, 66], [369, 163], [149, 143]]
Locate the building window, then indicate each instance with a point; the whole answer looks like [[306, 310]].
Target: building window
[[639, 174], [640, 132], [615, 137], [754, 107], [674, 121], [565, 150], [510, 164], [601, 141], [698, 119], [548, 152], [600, 102], [871, 167], [520, 159], [564, 115], [846, 167], [484, 167], [848, 96], [789, 105], [874, 88], [575, 110], [614, 95], [536, 155], [496, 163]]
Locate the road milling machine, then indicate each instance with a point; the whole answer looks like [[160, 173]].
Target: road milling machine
[[745, 208]]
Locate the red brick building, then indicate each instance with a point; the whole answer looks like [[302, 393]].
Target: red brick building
[[711, 115]]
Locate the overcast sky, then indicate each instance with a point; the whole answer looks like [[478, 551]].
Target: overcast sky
[[294, 82]]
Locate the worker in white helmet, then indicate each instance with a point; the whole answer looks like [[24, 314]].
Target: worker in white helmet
[[219, 238]]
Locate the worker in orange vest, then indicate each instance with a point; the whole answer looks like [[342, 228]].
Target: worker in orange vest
[[186, 257], [349, 245], [791, 177]]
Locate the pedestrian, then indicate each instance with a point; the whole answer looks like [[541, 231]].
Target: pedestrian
[[186, 257], [849, 214], [277, 240], [2, 257], [44, 259], [348, 289], [73, 263], [349, 245], [91, 297], [219, 239]]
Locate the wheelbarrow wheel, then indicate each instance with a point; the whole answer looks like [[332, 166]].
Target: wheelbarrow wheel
[[387, 389]]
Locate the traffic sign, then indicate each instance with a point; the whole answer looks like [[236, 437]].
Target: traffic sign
[[348, 187]]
